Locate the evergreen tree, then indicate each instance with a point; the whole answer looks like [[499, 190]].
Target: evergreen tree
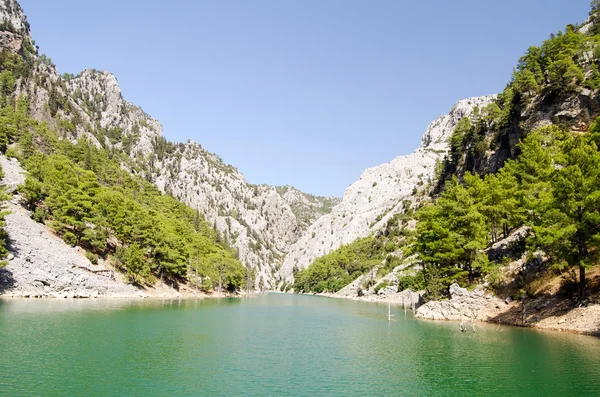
[[570, 228], [452, 233]]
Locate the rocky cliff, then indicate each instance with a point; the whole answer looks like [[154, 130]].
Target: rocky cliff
[[14, 26], [379, 193]]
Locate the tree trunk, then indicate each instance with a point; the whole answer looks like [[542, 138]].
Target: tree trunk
[[470, 269], [220, 282], [581, 282]]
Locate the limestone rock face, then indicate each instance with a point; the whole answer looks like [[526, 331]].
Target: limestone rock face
[[462, 305], [15, 26], [13, 17], [306, 207], [378, 194], [11, 42], [255, 219]]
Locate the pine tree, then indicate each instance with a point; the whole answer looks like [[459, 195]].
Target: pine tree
[[570, 228], [452, 234], [533, 171]]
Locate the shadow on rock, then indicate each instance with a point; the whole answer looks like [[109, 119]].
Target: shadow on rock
[[7, 280], [11, 247], [529, 312]]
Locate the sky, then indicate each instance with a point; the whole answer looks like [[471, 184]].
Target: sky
[[307, 93]]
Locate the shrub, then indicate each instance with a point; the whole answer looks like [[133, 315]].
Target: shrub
[[381, 286], [39, 215], [415, 282], [92, 257], [367, 283], [70, 239], [11, 152]]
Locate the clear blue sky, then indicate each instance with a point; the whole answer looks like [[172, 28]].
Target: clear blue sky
[[307, 93]]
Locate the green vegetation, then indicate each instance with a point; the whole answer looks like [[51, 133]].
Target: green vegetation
[[486, 188], [554, 72], [335, 270], [83, 194], [553, 188], [90, 201], [3, 234]]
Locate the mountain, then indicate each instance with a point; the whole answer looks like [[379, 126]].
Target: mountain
[[259, 222], [306, 207], [274, 231], [555, 83], [379, 193], [513, 209]]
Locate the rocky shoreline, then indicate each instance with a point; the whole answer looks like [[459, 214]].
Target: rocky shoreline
[[476, 305], [547, 313], [550, 312], [406, 298]]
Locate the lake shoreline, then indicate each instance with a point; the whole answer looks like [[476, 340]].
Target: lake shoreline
[[548, 314], [141, 294]]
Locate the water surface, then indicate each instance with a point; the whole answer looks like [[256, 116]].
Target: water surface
[[276, 345]]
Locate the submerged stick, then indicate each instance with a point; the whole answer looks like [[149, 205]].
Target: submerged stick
[[390, 315]]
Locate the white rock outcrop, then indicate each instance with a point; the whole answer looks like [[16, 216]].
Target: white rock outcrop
[[15, 27], [12, 15], [378, 194], [463, 305]]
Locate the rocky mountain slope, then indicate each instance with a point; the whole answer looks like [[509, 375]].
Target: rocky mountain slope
[[542, 92], [42, 265], [379, 193], [306, 207], [260, 222]]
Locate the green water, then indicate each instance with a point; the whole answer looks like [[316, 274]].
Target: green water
[[276, 345]]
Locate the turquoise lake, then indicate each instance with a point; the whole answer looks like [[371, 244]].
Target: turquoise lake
[[276, 345]]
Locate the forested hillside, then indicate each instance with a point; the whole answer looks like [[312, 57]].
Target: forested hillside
[[521, 174], [81, 192]]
